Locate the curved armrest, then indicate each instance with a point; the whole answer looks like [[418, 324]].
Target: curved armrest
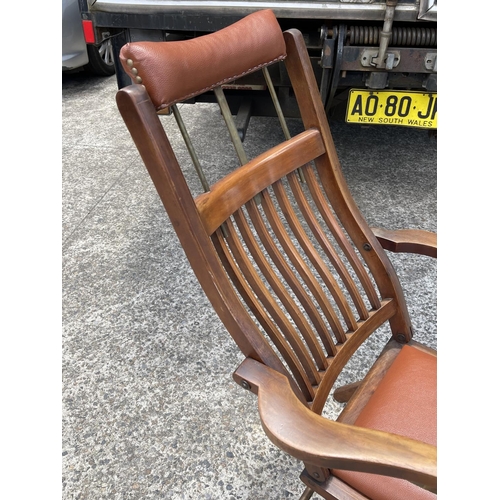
[[416, 241], [322, 442]]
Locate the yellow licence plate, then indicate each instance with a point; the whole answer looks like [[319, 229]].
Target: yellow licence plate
[[389, 107]]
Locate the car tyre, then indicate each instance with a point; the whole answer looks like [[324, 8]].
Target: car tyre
[[101, 59]]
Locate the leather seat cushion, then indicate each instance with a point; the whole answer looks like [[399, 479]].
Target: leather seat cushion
[[404, 403]]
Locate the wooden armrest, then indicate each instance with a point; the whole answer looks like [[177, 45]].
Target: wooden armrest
[[316, 440], [416, 241]]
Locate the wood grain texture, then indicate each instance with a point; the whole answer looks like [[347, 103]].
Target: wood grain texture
[[299, 280], [232, 192], [334, 445], [335, 186], [407, 240]]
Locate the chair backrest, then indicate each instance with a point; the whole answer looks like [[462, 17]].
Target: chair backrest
[[278, 245]]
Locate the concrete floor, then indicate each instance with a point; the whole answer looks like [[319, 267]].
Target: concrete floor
[[150, 410]]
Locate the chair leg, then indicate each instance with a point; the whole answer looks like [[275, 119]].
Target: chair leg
[[307, 494]]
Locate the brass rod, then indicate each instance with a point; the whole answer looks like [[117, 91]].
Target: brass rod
[[276, 102], [228, 118], [279, 111], [307, 494], [233, 131], [189, 145]]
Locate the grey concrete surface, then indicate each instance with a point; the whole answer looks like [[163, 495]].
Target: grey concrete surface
[[150, 410]]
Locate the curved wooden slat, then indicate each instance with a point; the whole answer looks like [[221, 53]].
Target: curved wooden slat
[[315, 259], [284, 295], [304, 271], [260, 290], [336, 230], [262, 317], [328, 248]]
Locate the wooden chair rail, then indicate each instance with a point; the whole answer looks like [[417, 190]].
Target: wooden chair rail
[[416, 241], [331, 489], [318, 441], [227, 195], [348, 348]]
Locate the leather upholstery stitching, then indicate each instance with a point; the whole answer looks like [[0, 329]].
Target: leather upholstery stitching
[[229, 79]]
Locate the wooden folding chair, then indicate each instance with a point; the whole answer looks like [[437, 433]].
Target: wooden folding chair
[[291, 267]]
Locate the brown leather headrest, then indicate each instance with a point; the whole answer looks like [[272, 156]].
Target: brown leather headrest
[[178, 70]]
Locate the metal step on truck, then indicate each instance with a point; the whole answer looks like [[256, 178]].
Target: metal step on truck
[[375, 60]]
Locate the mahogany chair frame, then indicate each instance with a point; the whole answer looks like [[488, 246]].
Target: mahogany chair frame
[[297, 332]]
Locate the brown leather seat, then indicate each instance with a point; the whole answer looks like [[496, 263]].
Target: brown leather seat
[[404, 403]]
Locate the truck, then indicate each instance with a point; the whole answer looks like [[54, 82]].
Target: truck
[[375, 61]]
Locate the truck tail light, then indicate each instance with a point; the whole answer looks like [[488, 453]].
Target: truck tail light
[[88, 31]]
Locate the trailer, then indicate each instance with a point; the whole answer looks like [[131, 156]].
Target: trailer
[[375, 61]]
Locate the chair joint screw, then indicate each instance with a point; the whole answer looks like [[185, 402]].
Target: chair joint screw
[[401, 338], [316, 475], [367, 247], [245, 385]]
